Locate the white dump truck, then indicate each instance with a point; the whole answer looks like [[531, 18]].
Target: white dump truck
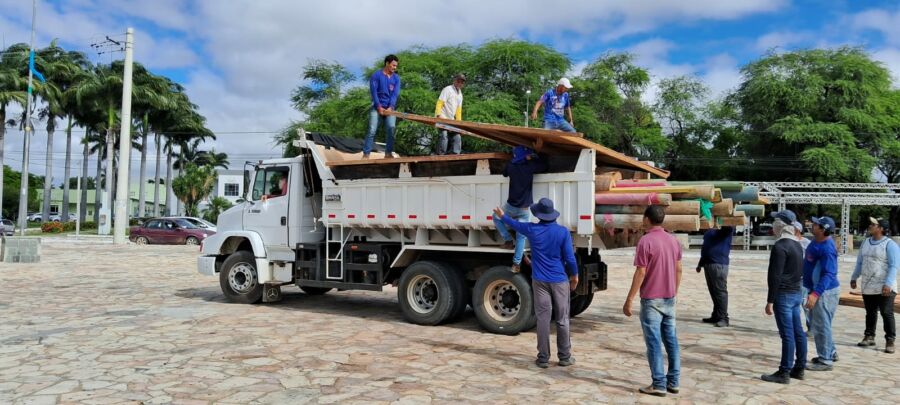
[[328, 219]]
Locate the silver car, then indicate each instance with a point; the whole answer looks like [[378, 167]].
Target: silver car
[[7, 227]]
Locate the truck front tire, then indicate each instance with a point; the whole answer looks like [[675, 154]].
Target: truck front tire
[[239, 279], [503, 301], [430, 293], [579, 304]]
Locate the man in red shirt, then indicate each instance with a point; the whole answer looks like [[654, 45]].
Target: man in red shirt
[[657, 277]]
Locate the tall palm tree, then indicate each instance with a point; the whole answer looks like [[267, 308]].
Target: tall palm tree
[[104, 88], [11, 92], [159, 98]]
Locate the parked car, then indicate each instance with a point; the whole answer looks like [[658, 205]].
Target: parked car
[[58, 217], [168, 231], [34, 217], [7, 227], [198, 222]]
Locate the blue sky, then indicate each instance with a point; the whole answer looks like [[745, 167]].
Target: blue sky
[[239, 59]]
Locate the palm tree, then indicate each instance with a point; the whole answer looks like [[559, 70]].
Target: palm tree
[[193, 185], [158, 96], [11, 84], [217, 205], [104, 88]]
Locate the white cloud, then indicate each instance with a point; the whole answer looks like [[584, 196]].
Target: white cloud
[[887, 22], [891, 59], [782, 40]]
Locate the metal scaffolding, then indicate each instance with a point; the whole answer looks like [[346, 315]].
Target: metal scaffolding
[[830, 194]]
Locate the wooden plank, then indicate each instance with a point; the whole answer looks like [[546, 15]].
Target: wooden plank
[[855, 299], [514, 135], [422, 159]]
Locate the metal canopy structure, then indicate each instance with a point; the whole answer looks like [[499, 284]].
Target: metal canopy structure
[[541, 139], [783, 193]]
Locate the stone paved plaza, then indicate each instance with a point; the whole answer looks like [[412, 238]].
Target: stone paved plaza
[[94, 323]]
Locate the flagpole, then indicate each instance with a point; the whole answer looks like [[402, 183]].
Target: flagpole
[[23, 190]]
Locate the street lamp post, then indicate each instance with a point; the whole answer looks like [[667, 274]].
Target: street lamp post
[[527, 106]]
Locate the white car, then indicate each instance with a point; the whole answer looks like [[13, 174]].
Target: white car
[[199, 223], [7, 227]]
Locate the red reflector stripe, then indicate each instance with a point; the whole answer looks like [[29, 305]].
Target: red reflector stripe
[[413, 217], [391, 216], [332, 216], [442, 217], [489, 218], [351, 216], [587, 217], [466, 217], [370, 216]]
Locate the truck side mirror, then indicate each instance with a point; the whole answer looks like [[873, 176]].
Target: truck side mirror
[[246, 182]]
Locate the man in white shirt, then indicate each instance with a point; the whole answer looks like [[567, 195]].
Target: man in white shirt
[[449, 106]]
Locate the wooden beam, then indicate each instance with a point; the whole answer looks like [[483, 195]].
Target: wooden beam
[[422, 159]]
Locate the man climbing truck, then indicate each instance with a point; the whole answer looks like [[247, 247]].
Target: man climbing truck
[[423, 224]]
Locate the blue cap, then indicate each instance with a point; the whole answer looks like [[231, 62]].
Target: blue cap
[[521, 153], [825, 222], [786, 216]]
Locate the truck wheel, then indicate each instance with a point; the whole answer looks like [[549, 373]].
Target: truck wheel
[[429, 293], [315, 290], [465, 298], [238, 278], [579, 304], [503, 301]]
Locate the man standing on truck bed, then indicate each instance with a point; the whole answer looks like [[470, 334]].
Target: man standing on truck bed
[[449, 106], [384, 86], [554, 273], [556, 105], [520, 170]]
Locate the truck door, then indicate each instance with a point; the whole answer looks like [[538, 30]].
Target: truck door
[[268, 210]]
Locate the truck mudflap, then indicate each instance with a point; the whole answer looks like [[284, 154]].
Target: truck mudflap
[[206, 265]]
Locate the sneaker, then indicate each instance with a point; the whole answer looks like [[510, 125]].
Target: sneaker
[[779, 377], [541, 364], [835, 357], [798, 373], [710, 320], [889, 347], [365, 157], [722, 323], [867, 341], [508, 245], [672, 389], [567, 362], [651, 390], [388, 155], [817, 366], [515, 268]]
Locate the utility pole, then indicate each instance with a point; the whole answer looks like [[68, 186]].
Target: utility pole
[[527, 105], [122, 191], [29, 129], [78, 203]]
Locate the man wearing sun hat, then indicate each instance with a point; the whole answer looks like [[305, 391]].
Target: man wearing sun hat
[[554, 273], [556, 106], [876, 268], [820, 279]]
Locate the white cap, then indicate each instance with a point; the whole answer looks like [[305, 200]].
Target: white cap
[[565, 83]]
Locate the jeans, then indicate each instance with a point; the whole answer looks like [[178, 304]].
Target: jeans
[[717, 283], [879, 303], [455, 143], [820, 317], [552, 297], [561, 125], [518, 214], [790, 328], [658, 323], [375, 119]]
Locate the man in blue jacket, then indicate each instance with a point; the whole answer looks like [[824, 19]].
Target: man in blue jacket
[[820, 279], [384, 86], [554, 273]]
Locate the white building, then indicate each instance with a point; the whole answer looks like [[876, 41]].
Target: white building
[[230, 185]]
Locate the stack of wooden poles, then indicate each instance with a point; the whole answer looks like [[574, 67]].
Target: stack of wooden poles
[[620, 203]]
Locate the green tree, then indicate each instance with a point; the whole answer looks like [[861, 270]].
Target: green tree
[[217, 205], [192, 185], [11, 85]]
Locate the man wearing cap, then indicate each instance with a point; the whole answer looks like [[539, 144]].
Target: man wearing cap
[[876, 268], [657, 275], [714, 260], [556, 106], [449, 106], [784, 298], [820, 279], [520, 170], [798, 234], [554, 273]]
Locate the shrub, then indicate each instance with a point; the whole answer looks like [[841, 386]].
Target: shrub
[[52, 227]]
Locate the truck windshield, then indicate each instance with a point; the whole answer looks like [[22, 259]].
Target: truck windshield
[[270, 182]]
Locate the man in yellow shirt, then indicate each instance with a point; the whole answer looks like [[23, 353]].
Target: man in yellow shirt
[[449, 106]]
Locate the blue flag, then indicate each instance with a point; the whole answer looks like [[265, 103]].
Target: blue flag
[[33, 70]]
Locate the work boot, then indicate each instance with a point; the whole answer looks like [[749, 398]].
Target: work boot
[[515, 268], [651, 390], [365, 157], [567, 362], [889, 347], [541, 364], [722, 323], [672, 389], [798, 373], [508, 245], [779, 377], [711, 320], [817, 366], [867, 341]]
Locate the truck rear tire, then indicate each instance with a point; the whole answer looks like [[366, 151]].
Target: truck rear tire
[[579, 304], [466, 292], [315, 290], [238, 278], [430, 293], [503, 301]]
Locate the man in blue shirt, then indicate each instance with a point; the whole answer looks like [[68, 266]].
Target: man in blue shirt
[[520, 170], [551, 280], [820, 279], [714, 259], [556, 105], [384, 86]]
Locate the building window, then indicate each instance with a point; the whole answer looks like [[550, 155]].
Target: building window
[[232, 190]]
